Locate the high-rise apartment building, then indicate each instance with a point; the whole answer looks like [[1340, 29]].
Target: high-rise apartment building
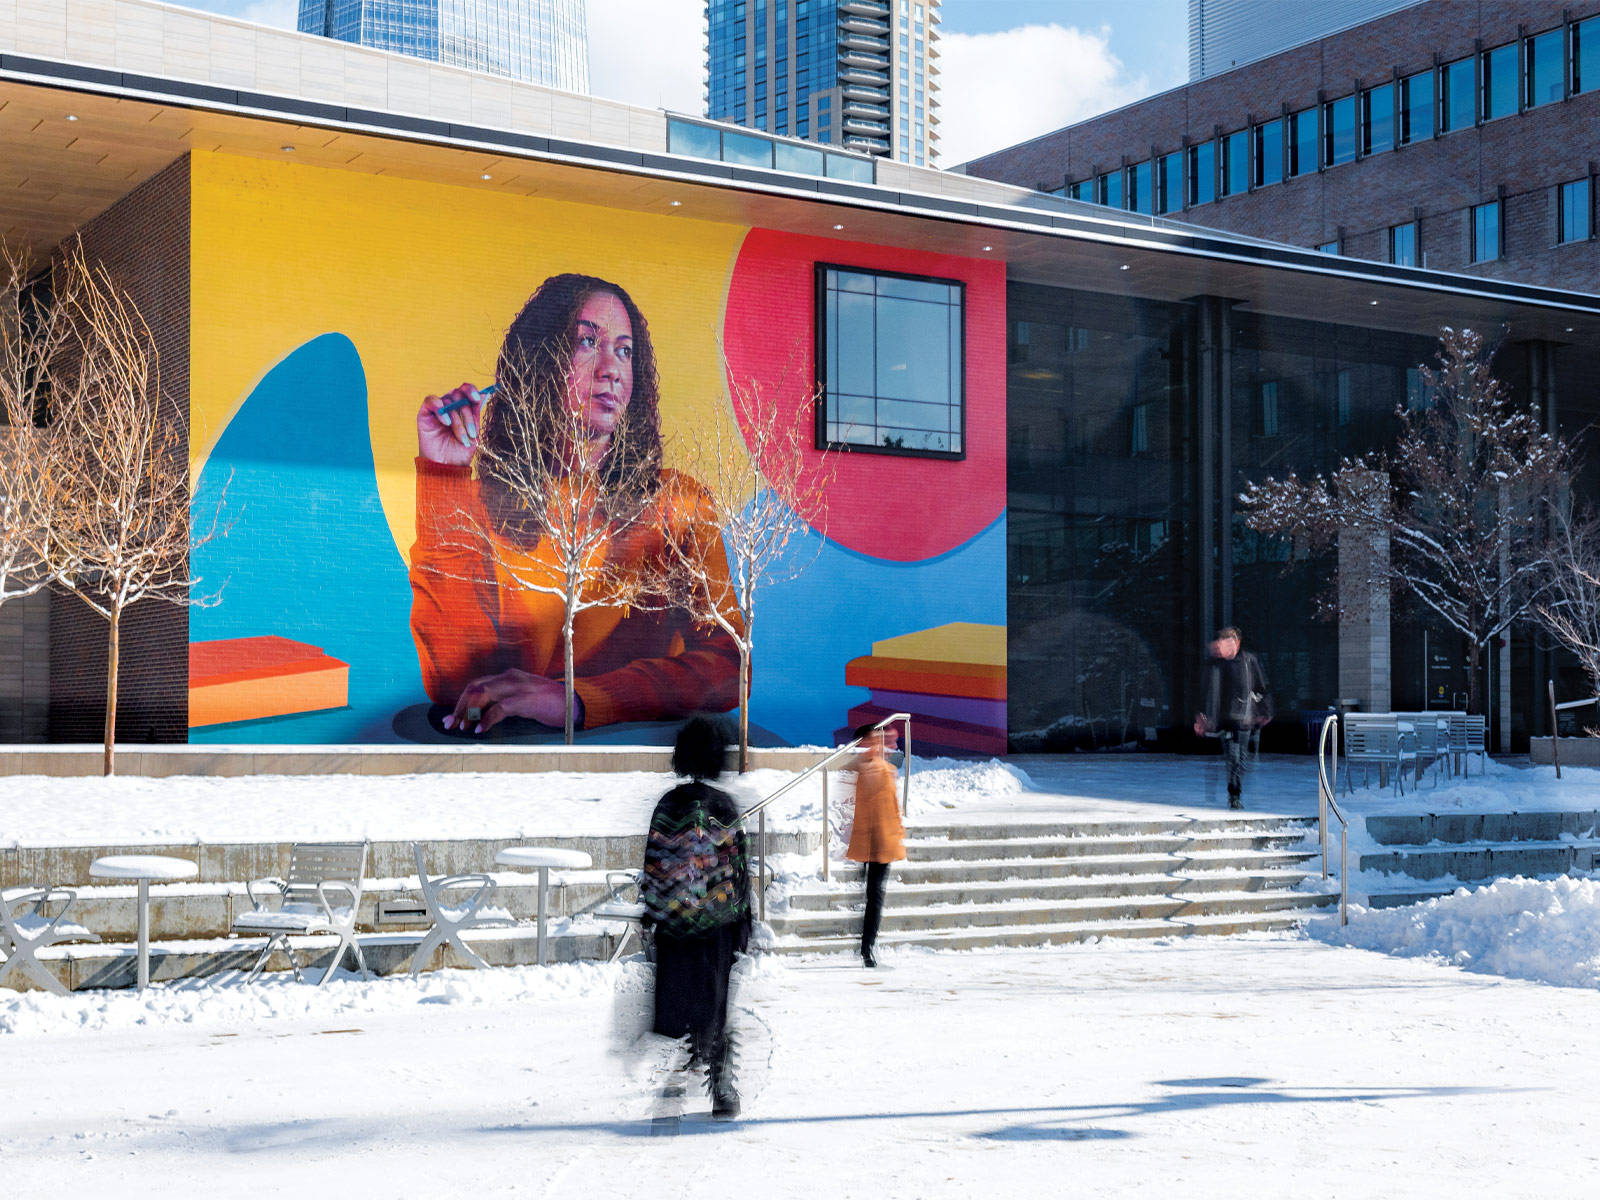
[[1224, 34], [862, 74], [537, 41]]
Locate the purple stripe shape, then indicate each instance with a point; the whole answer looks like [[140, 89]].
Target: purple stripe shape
[[951, 708]]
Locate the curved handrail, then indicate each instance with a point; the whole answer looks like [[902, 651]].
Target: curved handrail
[[759, 809], [1328, 752]]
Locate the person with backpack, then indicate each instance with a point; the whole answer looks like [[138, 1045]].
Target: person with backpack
[[1237, 704], [696, 895], [877, 837]]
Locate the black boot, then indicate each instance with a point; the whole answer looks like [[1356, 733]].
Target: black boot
[[877, 878], [724, 1095]]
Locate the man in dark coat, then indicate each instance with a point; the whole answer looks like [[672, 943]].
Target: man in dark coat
[[1234, 692]]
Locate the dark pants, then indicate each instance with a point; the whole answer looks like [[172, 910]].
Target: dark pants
[[877, 878], [1234, 744]]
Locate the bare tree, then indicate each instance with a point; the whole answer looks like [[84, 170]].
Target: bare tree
[[121, 520], [762, 492], [34, 334], [1569, 608], [1458, 501], [554, 511]]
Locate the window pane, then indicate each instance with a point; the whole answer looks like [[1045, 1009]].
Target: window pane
[[798, 159], [1575, 211], [1109, 189], [1403, 245], [746, 150], [1169, 193], [1236, 163], [1500, 82], [1416, 108], [1140, 197], [1544, 68], [1457, 96], [1269, 153], [1303, 156], [841, 166], [696, 141], [1203, 173], [1340, 140], [1586, 55], [1377, 120], [1486, 232], [931, 290], [1081, 190]]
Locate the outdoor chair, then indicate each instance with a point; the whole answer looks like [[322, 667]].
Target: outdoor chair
[[322, 894], [615, 908], [454, 915], [24, 933], [1432, 741], [1373, 740], [1476, 741]]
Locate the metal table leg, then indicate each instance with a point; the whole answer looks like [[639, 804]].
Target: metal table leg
[[544, 884], [144, 934]]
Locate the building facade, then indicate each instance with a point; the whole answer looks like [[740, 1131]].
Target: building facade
[[1453, 136], [1224, 34], [538, 41], [1039, 412], [862, 74]]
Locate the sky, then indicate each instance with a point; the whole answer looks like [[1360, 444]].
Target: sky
[[1011, 69]]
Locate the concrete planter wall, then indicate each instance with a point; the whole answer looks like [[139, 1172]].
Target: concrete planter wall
[[1575, 751]]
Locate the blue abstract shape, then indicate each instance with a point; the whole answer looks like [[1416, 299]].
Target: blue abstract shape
[[809, 628], [310, 555]]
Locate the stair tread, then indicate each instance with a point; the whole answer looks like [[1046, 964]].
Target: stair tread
[[1173, 925], [843, 888], [818, 916]]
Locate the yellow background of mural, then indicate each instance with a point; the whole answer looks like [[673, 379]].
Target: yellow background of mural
[[423, 278]]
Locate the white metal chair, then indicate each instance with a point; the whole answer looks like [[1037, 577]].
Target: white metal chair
[[1476, 741], [1374, 740], [452, 916], [1432, 741], [615, 908], [24, 933], [322, 894]]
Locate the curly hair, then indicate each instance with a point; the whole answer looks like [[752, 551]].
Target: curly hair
[[531, 374]]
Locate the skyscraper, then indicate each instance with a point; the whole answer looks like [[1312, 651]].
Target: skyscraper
[[1224, 34], [862, 74], [538, 41]]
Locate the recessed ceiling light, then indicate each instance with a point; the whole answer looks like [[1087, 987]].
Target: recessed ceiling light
[[988, 248], [486, 176], [1124, 267], [287, 149], [1569, 328], [838, 226], [71, 117], [677, 204], [1374, 303]]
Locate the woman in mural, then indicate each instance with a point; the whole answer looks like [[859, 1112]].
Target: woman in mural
[[577, 357]]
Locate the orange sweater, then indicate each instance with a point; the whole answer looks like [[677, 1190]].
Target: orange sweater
[[629, 665]]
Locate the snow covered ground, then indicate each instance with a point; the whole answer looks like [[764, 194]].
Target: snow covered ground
[[1204, 1068]]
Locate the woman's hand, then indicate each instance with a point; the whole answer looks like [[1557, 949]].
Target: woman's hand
[[448, 438], [485, 702]]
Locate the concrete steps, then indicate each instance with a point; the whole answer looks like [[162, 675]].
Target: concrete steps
[[999, 885]]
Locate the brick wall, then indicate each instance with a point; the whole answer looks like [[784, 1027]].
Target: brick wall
[[143, 241], [1528, 155]]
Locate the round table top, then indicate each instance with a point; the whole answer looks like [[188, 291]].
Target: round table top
[[143, 866], [542, 856]]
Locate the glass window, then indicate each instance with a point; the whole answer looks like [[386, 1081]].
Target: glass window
[[1586, 55], [1329, 247], [696, 141], [857, 170], [800, 159], [1236, 163], [1486, 232], [1545, 63], [1403, 244], [1303, 156], [1267, 410], [1108, 189], [746, 149], [1203, 173], [1377, 119], [891, 347], [1342, 394], [1500, 82], [1576, 207], [1141, 198], [1269, 153], [1339, 125], [1416, 108], [1457, 96], [1169, 182], [1081, 189]]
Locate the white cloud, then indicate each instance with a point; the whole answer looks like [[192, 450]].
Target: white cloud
[[998, 89], [649, 52], [282, 13]]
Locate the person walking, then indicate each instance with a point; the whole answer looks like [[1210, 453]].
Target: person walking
[[1237, 704], [696, 894], [877, 837]]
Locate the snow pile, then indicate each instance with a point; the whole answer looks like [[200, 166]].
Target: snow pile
[[948, 782], [1544, 930]]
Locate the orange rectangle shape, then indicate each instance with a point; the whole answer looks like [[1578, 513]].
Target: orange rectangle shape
[[934, 679], [246, 679]]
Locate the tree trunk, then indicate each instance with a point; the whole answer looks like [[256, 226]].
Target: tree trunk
[[744, 707], [568, 677], [1474, 697], [113, 658]]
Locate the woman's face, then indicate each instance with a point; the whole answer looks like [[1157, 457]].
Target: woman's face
[[600, 376]]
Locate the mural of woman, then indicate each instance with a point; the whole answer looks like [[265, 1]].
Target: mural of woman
[[578, 356]]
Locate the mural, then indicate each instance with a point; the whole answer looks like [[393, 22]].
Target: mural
[[355, 343]]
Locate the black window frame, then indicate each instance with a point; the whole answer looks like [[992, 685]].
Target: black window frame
[[820, 366], [1416, 238], [1562, 206], [1499, 230]]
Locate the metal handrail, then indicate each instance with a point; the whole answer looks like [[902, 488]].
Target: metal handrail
[[759, 809], [1328, 751]]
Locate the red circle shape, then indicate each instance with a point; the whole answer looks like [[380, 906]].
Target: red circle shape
[[887, 506]]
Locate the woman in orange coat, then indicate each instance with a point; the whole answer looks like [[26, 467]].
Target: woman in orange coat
[[877, 838], [490, 649]]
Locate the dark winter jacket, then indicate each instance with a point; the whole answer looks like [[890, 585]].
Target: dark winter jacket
[[1235, 693]]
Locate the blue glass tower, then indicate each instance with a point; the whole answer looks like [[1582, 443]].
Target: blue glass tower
[[538, 41], [862, 74]]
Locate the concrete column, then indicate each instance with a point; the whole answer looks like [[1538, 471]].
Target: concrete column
[[1363, 589]]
